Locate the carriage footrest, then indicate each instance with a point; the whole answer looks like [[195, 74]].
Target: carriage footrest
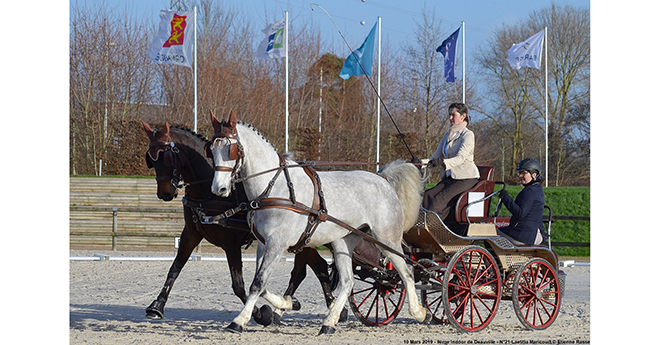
[[561, 275]]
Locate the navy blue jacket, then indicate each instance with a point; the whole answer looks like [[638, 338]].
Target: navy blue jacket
[[526, 213]]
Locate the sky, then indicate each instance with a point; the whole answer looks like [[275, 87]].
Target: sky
[[398, 17]]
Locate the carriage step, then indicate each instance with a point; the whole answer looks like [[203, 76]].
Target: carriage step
[[428, 287]]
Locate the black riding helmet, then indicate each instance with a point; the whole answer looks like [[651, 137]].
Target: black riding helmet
[[531, 165]]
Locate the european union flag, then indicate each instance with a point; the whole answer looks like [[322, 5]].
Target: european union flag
[[364, 55], [448, 50]]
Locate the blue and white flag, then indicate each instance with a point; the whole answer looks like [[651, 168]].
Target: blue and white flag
[[528, 53], [174, 41], [274, 45], [362, 56], [448, 50]]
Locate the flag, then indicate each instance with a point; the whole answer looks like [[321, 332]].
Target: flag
[[527, 53], [174, 41], [273, 46], [362, 56], [448, 50]]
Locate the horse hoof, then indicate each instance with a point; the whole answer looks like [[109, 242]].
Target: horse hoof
[[154, 315], [266, 315], [235, 328], [327, 330], [428, 319], [344, 315], [277, 319], [295, 305], [155, 310]]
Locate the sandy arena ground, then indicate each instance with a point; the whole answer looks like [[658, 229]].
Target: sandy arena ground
[[107, 301]]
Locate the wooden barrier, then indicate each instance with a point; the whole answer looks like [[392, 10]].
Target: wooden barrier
[[121, 212], [125, 212]]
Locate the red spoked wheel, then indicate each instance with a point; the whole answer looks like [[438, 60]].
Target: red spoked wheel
[[536, 294], [471, 289], [377, 297]]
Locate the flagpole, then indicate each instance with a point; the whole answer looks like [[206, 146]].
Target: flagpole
[[463, 27], [378, 104], [286, 88], [546, 106], [195, 70]]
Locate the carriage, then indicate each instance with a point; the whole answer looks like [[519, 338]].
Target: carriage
[[463, 278]]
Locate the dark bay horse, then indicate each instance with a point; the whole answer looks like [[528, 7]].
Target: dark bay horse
[[177, 155]]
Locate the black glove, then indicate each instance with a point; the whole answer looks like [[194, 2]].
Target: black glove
[[504, 194], [432, 163]]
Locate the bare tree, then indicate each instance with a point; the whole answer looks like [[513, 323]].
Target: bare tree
[[517, 97], [109, 78], [423, 87]]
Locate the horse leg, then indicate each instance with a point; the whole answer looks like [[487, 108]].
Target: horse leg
[[266, 258], [414, 306], [263, 316], [342, 252], [298, 274], [321, 269], [189, 240]]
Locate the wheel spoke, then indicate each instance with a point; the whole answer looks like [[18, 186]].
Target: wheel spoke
[[371, 307], [367, 297]]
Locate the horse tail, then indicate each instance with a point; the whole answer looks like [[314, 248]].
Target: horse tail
[[407, 182]]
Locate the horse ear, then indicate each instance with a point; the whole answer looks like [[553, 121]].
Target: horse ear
[[232, 119], [217, 126], [147, 129], [166, 131]]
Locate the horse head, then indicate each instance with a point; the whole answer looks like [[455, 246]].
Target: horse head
[[227, 153], [159, 142]]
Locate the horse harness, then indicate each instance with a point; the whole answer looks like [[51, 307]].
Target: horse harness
[[317, 213]]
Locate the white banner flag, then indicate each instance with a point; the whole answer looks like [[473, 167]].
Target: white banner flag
[[273, 46], [174, 41], [527, 53]]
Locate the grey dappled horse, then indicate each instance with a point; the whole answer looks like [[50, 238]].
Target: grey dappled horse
[[283, 204]]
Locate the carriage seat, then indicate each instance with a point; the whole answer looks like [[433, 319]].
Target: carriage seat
[[484, 187]]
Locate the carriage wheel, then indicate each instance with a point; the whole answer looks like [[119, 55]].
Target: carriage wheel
[[376, 298], [471, 289], [536, 296]]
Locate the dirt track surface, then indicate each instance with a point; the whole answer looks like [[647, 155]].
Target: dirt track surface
[[108, 298]]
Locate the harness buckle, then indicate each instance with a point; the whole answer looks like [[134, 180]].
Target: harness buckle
[[230, 212]]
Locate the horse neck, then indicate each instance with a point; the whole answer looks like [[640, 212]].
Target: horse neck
[[259, 157], [197, 173]]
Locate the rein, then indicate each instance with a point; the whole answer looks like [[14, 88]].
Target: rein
[[311, 164]]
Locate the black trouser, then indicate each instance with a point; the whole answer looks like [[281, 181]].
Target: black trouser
[[442, 197]]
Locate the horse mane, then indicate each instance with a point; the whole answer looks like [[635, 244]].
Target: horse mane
[[185, 136], [248, 125]]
